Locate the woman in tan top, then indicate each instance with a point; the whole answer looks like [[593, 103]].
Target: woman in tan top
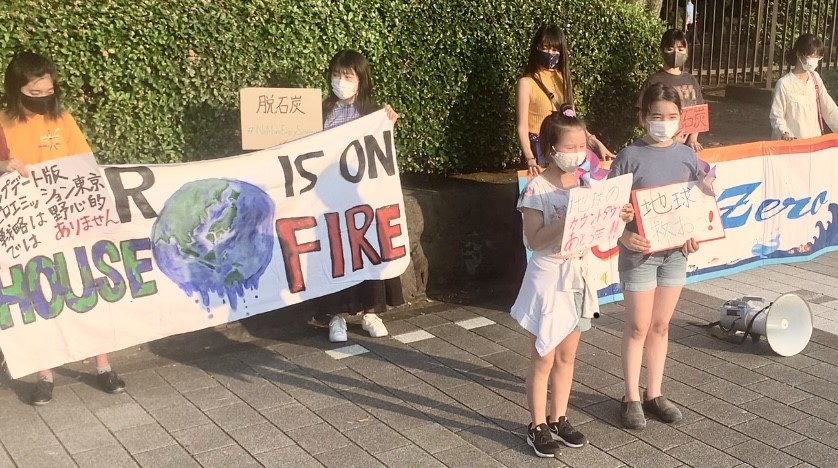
[[545, 86]]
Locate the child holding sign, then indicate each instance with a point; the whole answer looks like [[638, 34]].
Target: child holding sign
[[801, 101], [651, 283], [37, 129], [675, 53], [556, 301], [350, 97]]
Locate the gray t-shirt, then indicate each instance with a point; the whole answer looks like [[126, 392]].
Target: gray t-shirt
[[652, 167]]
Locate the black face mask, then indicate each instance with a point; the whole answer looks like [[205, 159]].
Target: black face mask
[[548, 60], [38, 105], [674, 59]]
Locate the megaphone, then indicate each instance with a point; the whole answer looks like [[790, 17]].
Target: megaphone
[[785, 323]]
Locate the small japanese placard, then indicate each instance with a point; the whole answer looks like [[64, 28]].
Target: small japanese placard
[[694, 119], [670, 215], [61, 199], [271, 116], [593, 214]]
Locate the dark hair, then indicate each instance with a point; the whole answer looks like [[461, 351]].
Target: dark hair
[[805, 45], [554, 125], [658, 92], [24, 67], [351, 60], [672, 38], [551, 36]]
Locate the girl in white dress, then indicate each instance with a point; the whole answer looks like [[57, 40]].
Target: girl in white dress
[[556, 301], [802, 103]]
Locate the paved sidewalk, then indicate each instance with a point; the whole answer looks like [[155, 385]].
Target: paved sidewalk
[[445, 390]]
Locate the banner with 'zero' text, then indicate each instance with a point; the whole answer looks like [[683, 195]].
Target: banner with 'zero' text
[[774, 200]]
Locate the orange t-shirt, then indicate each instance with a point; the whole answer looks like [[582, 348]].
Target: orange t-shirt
[[39, 139], [540, 105], [4, 149]]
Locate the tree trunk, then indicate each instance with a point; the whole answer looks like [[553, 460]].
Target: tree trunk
[[652, 6]]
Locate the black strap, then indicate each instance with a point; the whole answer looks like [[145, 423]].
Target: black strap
[[747, 327], [552, 97]]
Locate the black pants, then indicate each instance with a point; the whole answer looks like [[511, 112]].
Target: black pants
[[371, 296]]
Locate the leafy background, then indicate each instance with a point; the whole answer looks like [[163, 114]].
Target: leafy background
[[157, 81]]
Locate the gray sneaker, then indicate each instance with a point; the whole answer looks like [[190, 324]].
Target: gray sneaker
[[631, 415], [662, 409]]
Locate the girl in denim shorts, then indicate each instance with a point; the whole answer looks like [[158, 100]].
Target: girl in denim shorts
[[651, 283]]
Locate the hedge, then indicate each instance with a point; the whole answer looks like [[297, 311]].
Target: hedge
[[157, 81]]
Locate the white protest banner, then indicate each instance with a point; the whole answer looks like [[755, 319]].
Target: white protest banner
[[776, 203], [205, 243], [670, 215], [272, 116], [18, 225], [593, 214]]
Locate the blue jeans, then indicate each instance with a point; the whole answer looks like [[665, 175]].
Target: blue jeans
[[660, 269]]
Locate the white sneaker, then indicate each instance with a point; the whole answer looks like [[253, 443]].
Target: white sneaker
[[373, 324], [337, 329]]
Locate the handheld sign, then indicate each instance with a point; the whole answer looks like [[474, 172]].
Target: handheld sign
[[272, 116], [670, 215], [593, 214], [694, 119]]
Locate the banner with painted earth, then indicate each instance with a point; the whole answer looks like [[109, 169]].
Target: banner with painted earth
[[775, 202], [144, 252]]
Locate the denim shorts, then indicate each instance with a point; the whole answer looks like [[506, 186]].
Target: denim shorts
[[659, 269]]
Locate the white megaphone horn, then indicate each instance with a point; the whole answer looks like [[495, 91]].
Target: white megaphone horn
[[785, 323]]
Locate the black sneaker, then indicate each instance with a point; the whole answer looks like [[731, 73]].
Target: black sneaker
[[563, 432], [42, 394], [110, 382], [542, 442]]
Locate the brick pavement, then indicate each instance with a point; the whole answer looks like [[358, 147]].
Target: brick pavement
[[445, 390]]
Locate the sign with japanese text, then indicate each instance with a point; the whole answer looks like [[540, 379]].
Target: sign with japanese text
[[694, 119], [670, 215], [272, 116], [60, 199], [593, 214], [149, 251]]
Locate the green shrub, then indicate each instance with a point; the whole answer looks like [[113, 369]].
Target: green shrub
[[830, 81], [153, 81]]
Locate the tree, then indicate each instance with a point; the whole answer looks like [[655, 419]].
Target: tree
[[653, 6]]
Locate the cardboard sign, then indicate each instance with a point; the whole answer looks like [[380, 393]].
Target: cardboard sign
[[272, 116], [670, 215], [694, 119], [593, 214]]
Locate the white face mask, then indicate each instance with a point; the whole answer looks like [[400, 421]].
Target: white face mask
[[344, 89], [568, 162], [662, 130], [809, 63]]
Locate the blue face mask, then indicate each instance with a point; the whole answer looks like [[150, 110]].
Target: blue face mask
[[548, 60]]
